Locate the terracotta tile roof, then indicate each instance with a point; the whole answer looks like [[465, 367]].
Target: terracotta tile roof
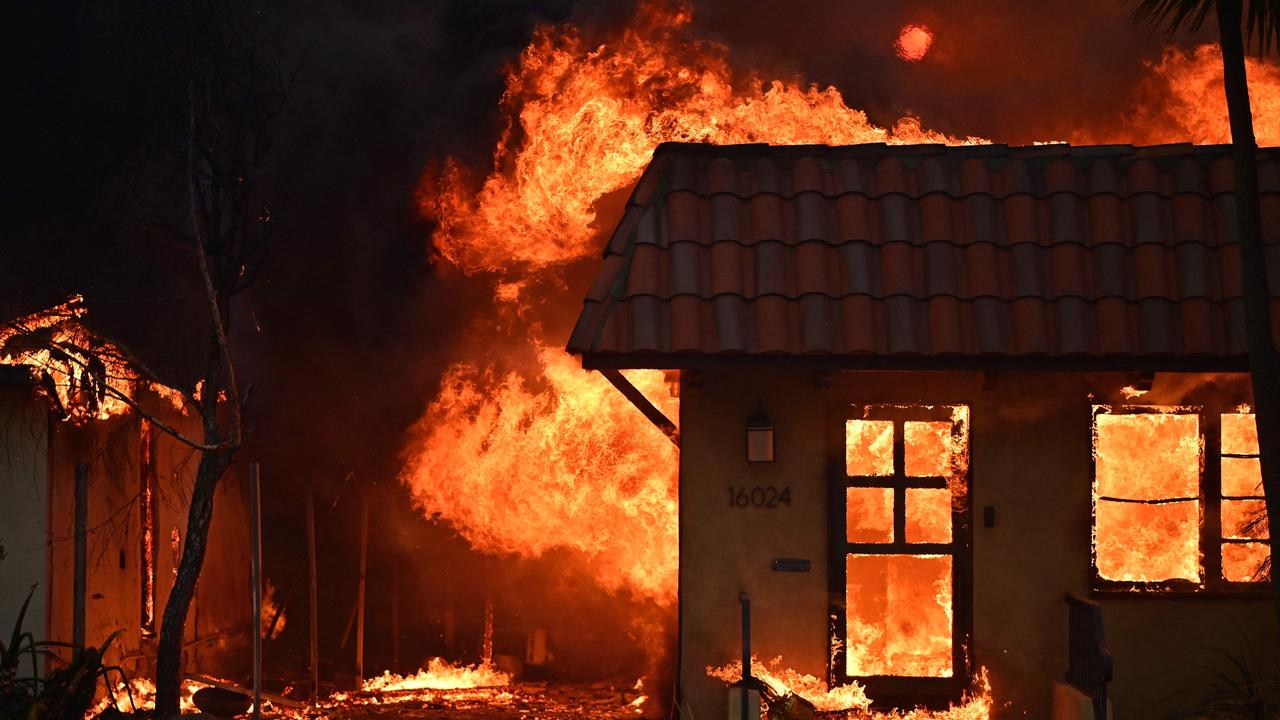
[[945, 254]]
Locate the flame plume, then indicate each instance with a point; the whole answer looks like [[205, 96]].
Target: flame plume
[[585, 118], [1182, 100], [551, 456]]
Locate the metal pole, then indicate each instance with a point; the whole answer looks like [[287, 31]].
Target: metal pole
[[255, 580], [81, 556], [746, 651], [486, 644], [364, 563], [395, 617], [315, 629]]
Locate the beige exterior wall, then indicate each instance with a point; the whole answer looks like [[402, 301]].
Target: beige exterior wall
[[1030, 460], [24, 508], [37, 496]]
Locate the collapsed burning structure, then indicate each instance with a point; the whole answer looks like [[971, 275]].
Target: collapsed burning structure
[[96, 512]]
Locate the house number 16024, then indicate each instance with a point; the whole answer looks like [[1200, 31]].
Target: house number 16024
[[767, 497]]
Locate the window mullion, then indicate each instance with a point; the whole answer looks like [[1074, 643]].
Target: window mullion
[[1211, 497]]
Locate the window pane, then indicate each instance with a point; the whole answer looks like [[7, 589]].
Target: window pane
[[1239, 434], [1150, 456], [1143, 542], [928, 448], [868, 447], [1241, 562], [1244, 519], [1241, 477], [898, 617], [928, 515], [869, 515]]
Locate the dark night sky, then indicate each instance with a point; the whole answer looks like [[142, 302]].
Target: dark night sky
[[349, 325]]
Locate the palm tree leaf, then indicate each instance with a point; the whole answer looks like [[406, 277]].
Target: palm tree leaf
[[1262, 23], [1261, 18], [1173, 15]]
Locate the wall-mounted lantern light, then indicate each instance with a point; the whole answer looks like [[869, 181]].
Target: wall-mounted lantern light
[[759, 436]]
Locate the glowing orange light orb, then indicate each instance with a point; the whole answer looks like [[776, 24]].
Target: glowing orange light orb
[[913, 42]]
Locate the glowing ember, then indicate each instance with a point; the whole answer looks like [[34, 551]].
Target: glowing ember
[[913, 42], [1146, 495], [439, 675], [1130, 392], [143, 697]]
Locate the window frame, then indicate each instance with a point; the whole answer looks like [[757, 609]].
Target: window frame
[[889, 690], [1210, 539]]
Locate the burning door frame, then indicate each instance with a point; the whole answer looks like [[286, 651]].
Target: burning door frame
[[895, 690]]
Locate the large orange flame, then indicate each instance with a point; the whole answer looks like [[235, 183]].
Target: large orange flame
[[567, 463], [553, 456], [548, 456], [585, 118], [1182, 100]]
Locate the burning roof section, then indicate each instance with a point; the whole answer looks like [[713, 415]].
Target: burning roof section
[[83, 376], [927, 255]]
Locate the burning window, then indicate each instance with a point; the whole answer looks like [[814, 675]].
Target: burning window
[[1177, 498], [1244, 516], [905, 483]]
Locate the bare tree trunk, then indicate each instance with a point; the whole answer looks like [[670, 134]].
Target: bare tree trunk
[[1264, 364], [169, 649]]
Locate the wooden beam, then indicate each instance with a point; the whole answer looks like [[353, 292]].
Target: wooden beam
[[81, 569], [315, 626], [255, 581], [637, 398], [395, 617], [364, 563]]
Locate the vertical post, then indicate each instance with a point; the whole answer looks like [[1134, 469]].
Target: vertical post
[[255, 581], [315, 628], [81, 556], [395, 617], [486, 650], [364, 564], [746, 652]]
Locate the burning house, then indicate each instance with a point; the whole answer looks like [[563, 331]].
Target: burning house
[[926, 392], [93, 508]]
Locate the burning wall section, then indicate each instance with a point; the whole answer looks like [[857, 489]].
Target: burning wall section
[[1031, 459]]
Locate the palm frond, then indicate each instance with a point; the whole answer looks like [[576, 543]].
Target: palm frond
[[1262, 23], [1173, 15], [1261, 18]]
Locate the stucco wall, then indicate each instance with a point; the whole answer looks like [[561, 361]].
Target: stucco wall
[[112, 449], [1030, 460], [23, 507]]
